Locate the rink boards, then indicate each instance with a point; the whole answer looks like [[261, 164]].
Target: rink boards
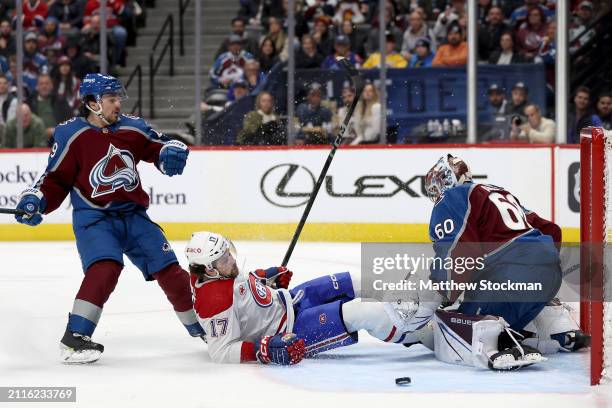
[[369, 194]]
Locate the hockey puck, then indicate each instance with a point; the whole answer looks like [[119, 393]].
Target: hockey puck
[[402, 381]]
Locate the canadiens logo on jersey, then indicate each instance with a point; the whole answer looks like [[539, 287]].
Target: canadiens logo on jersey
[[261, 293], [114, 171]]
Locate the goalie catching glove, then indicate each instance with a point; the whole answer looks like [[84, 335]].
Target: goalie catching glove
[[275, 277], [282, 349], [173, 158]]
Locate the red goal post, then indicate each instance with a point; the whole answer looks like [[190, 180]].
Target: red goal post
[[596, 246]]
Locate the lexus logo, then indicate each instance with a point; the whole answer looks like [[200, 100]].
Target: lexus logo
[[290, 185], [276, 187]]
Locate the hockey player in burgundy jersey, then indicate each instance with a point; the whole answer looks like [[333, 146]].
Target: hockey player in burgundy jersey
[[93, 158], [516, 248], [256, 317]]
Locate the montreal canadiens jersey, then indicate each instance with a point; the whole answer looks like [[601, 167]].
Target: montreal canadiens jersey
[[236, 313], [97, 166], [487, 222]]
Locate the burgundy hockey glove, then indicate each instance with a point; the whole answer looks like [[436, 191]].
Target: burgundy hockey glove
[[282, 349], [276, 276]]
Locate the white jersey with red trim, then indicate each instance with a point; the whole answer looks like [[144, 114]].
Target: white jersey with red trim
[[236, 313]]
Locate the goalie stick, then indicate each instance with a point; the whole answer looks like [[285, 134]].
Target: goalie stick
[[358, 83]]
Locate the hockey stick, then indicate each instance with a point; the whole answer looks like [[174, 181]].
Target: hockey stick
[[13, 211], [358, 83]]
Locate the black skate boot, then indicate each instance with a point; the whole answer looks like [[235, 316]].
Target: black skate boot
[[78, 349], [573, 340]]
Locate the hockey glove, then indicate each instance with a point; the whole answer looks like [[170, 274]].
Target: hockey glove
[[33, 203], [173, 158], [276, 276], [282, 349]]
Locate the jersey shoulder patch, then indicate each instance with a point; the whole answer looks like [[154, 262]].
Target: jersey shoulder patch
[[214, 297], [72, 127]]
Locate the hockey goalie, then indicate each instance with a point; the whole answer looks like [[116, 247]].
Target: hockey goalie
[[500, 329]]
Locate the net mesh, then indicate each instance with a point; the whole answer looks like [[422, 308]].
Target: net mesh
[[607, 312]]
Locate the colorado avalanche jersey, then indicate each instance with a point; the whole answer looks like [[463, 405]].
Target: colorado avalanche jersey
[[487, 224], [97, 166], [236, 313]]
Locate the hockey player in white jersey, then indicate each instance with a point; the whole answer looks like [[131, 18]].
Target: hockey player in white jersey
[[255, 317]]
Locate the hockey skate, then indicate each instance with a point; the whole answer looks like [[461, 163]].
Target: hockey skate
[[78, 349], [514, 358]]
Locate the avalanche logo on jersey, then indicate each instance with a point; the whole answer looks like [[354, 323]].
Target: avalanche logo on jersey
[[261, 293], [114, 171]]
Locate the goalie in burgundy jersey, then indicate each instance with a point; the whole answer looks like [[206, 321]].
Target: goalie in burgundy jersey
[[93, 158], [518, 276], [255, 317]]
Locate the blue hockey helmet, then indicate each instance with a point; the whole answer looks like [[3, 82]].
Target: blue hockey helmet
[[97, 85], [448, 172]]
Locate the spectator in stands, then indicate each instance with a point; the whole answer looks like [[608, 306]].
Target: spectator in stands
[[5, 68], [115, 10], [538, 129], [69, 13], [506, 54], [34, 63], [228, 67], [81, 65], [347, 96], [66, 84], [393, 59], [33, 130], [582, 19], [342, 47], [253, 75], [301, 25], [348, 10], [90, 44], [262, 126], [276, 34], [322, 36], [368, 117], [497, 101], [520, 15], [315, 120], [357, 41], [239, 28], [373, 40], [50, 108], [495, 127], [237, 91], [267, 55], [455, 51], [8, 101], [451, 14], [518, 102], [580, 115], [308, 56], [34, 13], [7, 40], [250, 11], [489, 34], [422, 56], [50, 37], [416, 30], [603, 111], [530, 34]]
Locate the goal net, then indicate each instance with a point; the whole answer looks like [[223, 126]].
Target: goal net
[[596, 247]]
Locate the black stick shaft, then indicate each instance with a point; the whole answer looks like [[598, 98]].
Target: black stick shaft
[[358, 83], [12, 211]]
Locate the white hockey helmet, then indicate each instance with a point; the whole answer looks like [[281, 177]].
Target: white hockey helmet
[[205, 248]]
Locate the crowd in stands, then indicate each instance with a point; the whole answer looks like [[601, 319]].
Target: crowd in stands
[[61, 44], [418, 33]]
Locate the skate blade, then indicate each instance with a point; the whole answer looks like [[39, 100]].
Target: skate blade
[[71, 357]]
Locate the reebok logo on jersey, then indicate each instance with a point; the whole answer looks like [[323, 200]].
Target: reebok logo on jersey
[[114, 171]]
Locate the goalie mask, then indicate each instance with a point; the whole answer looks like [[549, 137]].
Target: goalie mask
[[447, 173], [212, 255]]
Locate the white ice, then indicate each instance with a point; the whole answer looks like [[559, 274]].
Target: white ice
[[150, 361]]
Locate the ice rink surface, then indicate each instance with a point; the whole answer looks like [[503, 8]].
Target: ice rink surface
[[150, 361]]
